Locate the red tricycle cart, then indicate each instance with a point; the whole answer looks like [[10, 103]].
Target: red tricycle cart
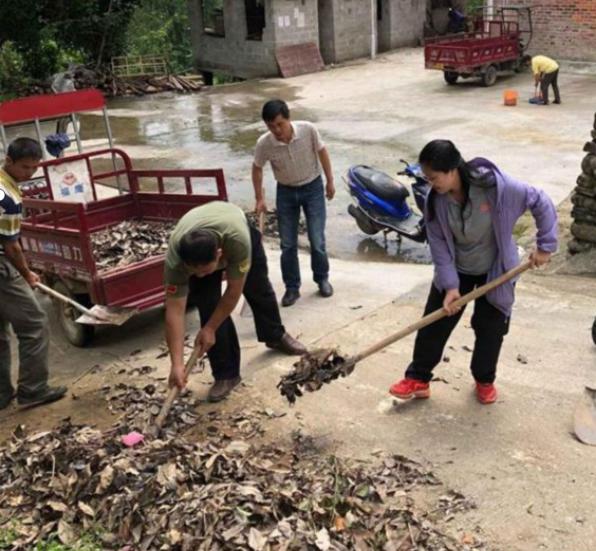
[[494, 46], [84, 193], [57, 234]]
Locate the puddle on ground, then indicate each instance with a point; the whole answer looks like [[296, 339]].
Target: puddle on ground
[[218, 128]]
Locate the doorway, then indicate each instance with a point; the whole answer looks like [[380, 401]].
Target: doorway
[[326, 31]]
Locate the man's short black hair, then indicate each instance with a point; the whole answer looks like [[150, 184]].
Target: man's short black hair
[[273, 108], [24, 148], [198, 247]]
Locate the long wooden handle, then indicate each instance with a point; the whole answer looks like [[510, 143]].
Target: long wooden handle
[[174, 391], [65, 299], [441, 313]]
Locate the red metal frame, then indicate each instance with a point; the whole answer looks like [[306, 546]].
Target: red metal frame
[[498, 43], [56, 235], [24, 110]]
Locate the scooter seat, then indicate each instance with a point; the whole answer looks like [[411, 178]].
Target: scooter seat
[[379, 183]]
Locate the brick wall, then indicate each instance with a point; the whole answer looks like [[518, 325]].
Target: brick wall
[[563, 29]]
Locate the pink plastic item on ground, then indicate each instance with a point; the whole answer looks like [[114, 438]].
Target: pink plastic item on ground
[[132, 439]]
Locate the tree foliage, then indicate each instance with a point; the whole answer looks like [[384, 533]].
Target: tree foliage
[[41, 37], [49, 34], [161, 27], [12, 69]]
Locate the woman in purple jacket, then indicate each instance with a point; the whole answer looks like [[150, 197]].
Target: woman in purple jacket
[[470, 215]]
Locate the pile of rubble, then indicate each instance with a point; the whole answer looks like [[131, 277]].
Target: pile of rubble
[[130, 241], [583, 228], [229, 491]]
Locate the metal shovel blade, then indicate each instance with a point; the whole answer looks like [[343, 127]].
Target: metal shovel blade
[[107, 315], [585, 417]]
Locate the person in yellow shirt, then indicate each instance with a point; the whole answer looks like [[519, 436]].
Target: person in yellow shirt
[[546, 73], [19, 307]]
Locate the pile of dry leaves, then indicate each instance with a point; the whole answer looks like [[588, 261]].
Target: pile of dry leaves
[[270, 228], [130, 241], [230, 491], [312, 371]]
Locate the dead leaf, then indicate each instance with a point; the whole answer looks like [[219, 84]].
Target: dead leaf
[[66, 534], [105, 479], [323, 542], [256, 540], [86, 509]]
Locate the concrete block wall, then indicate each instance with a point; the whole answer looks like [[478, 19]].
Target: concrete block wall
[[295, 21], [405, 25], [352, 29], [232, 53], [286, 22], [342, 28]]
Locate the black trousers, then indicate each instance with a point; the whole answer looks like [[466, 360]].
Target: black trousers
[[490, 326], [205, 293], [550, 79]]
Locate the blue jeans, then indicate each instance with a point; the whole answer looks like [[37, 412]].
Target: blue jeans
[[311, 198]]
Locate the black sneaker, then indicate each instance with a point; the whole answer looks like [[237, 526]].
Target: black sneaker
[[290, 297], [45, 396]]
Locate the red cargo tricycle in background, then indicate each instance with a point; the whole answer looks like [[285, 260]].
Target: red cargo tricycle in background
[[495, 45]]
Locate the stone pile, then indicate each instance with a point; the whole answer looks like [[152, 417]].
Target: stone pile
[[583, 227]]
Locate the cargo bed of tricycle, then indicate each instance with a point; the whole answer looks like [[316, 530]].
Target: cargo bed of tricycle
[[57, 231]]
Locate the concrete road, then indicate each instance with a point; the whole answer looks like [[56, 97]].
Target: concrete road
[[532, 481], [371, 112]]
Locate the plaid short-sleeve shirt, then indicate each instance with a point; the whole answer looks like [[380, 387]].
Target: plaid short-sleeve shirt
[[295, 163]]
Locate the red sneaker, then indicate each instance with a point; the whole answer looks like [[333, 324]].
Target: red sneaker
[[408, 388], [486, 393]]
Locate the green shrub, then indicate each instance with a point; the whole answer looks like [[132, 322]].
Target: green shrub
[[12, 70]]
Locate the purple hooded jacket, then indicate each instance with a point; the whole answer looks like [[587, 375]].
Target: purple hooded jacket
[[508, 202]]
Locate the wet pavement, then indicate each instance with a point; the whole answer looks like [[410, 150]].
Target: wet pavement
[[219, 128], [368, 112]]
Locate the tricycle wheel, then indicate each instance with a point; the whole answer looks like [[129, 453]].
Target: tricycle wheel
[[489, 77], [450, 77], [594, 331], [76, 333]]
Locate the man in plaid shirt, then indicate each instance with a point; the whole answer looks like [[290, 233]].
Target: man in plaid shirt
[[297, 154]]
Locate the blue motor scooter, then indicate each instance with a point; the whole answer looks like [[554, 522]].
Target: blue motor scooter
[[380, 201]]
